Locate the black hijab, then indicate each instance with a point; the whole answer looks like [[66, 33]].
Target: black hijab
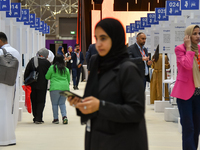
[[115, 56]]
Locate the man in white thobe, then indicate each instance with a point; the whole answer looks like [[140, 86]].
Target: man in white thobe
[[9, 101]]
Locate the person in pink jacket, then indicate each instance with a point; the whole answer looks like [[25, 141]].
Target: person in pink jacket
[[187, 87]]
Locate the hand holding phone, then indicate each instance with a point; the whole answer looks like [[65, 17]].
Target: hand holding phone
[[72, 98]]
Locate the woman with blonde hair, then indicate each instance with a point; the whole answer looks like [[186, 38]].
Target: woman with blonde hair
[[187, 87]]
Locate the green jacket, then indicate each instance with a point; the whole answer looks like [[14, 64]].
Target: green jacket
[[58, 81]]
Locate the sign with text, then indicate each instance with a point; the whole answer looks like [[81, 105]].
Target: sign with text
[[164, 40], [41, 26], [47, 29], [31, 20], [4, 5], [24, 17], [161, 14], [144, 22], [192, 22], [138, 25], [151, 19], [173, 8], [15, 11], [189, 4], [154, 40], [177, 34], [128, 29]]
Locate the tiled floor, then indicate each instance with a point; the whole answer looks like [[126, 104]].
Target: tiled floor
[[161, 135]]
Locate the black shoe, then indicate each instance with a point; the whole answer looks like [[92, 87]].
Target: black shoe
[[77, 88], [55, 121], [38, 122], [74, 87], [12, 144]]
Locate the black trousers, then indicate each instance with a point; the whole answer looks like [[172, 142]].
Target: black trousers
[[38, 99]]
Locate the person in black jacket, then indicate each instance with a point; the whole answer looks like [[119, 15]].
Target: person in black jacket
[[39, 88], [76, 65], [91, 51], [113, 103], [139, 55]]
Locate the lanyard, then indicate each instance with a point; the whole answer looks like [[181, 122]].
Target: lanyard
[[143, 53], [78, 55], [198, 61]]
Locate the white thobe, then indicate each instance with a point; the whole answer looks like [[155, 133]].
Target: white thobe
[[8, 121]]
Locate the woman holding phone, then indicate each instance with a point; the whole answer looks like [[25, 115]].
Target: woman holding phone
[[113, 103]]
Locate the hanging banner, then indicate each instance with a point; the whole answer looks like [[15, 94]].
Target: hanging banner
[[173, 8], [4, 5], [31, 20], [161, 14], [189, 4], [151, 19], [15, 11], [128, 29], [144, 22], [24, 17]]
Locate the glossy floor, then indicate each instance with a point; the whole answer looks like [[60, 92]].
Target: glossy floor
[[161, 135]]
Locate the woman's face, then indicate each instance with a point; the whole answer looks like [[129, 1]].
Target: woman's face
[[195, 37], [103, 42], [63, 49]]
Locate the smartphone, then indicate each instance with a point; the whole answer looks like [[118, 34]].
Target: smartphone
[[69, 93]]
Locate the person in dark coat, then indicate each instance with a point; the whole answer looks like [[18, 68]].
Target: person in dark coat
[[76, 65], [139, 55], [91, 51], [39, 88], [113, 103]]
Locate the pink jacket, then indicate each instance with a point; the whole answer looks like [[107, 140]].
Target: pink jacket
[[184, 86]]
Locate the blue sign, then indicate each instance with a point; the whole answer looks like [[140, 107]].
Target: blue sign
[[189, 4], [44, 30], [138, 25], [25, 16], [144, 22], [15, 11], [41, 26], [4, 5], [128, 29], [31, 20], [173, 8], [161, 14], [47, 29], [151, 19], [38, 24], [132, 28]]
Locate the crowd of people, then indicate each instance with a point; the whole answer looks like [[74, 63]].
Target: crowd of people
[[113, 105]]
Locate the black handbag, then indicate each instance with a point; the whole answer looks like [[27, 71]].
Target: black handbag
[[33, 76]]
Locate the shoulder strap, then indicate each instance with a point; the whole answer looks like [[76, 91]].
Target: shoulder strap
[[4, 51], [35, 61]]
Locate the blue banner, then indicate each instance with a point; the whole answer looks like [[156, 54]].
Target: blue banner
[[189, 4], [31, 20], [161, 14], [151, 19], [4, 5], [144, 22], [41, 26], [132, 28], [173, 8], [38, 24], [128, 29], [25, 16], [47, 29], [15, 11]]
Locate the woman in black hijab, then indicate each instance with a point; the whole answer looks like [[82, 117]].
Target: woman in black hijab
[[113, 103]]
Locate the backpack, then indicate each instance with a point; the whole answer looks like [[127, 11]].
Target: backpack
[[8, 68]]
